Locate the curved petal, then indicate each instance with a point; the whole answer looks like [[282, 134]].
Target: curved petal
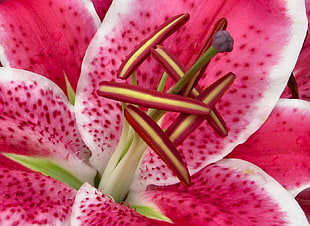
[[102, 7], [281, 146], [7, 163], [30, 198], [47, 37], [262, 59], [301, 71], [92, 207], [37, 120], [229, 192]]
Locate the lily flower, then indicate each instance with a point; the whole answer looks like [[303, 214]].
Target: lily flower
[[239, 106], [38, 128]]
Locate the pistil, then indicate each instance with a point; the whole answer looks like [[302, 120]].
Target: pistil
[[222, 43], [220, 25]]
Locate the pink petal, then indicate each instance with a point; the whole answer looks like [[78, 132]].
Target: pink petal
[[102, 7], [301, 71], [47, 37], [94, 208], [36, 119], [282, 145], [262, 59], [5, 162], [29, 198], [229, 192]]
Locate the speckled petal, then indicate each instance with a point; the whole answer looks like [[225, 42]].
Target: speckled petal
[[36, 119], [30, 198], [5, 162], [302, 69], [282, 145], [262, 59], [229, 192], [102, 7], [93, 208], [47, 37]]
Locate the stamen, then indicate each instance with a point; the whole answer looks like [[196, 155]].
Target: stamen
[[169, 62], [217, 122], [154, 136], [186, 124], [151, 98], [143, 50], [182, 127], [214, 92]]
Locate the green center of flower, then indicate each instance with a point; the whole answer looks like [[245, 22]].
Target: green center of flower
[[141, 129]]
